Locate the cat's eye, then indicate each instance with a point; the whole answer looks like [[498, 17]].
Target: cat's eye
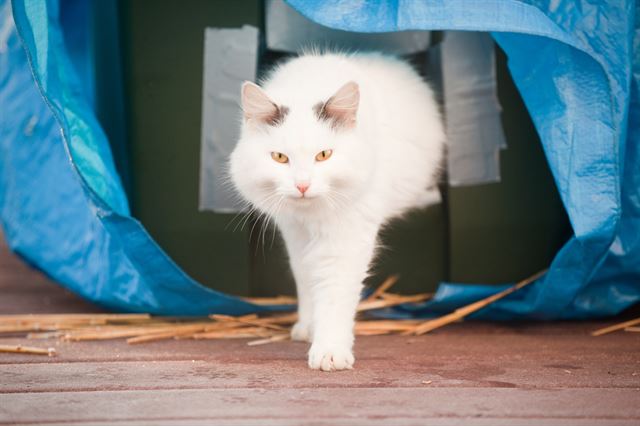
[[280, 157], [324, 155]]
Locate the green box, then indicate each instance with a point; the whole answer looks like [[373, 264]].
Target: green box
[[163, 45]]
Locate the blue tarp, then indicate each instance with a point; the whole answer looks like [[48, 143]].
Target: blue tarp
[[576, 64]]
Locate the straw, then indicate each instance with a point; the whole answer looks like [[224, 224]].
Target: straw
[[19, 349], [461, 313], [386, 285], [616, 327], [143, 328]]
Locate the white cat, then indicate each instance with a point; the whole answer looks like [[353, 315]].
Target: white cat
[[332, 147]]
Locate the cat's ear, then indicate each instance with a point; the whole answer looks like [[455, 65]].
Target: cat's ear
[[342, 108], [258, 108]]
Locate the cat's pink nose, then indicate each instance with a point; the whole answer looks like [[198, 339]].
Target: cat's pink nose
[[302, 187]]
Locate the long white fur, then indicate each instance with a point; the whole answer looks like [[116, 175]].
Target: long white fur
[[380, 168]]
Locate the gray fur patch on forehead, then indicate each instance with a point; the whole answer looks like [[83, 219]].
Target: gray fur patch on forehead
[[318, 109], [278, 117], [321, 113]]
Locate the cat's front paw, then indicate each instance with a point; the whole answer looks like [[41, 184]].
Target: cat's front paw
[[301, 331], [330, 357]]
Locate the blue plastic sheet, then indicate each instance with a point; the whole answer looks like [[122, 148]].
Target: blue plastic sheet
[[62, 205], [576, 64]]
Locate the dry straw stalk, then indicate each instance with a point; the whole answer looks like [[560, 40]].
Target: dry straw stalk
[[616, 327], [19, 349]]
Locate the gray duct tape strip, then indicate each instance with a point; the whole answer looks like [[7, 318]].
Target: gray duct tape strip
[[472, 111], [230, 58], [289, 31]]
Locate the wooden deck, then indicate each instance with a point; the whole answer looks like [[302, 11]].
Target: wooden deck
[[470, 373]]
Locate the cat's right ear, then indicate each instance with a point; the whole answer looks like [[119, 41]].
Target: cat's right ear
[[256, 105], [341, 108]]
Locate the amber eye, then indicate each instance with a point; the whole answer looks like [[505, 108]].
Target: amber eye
[[324, 155], [280, 157]]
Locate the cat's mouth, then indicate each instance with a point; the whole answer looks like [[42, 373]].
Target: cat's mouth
[[303, 198]]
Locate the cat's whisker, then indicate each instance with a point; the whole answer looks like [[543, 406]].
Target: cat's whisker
[[263, 229], [338, 199], [340, 194], [251, 214], [271, 216], [332, 203], [255, 208], [261, 213], [242, 217], [236, 218], [264, 217], [246, 209], [273, 236], [257, 219], [243, 221]]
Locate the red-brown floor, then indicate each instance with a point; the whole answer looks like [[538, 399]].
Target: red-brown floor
[[465, 374]]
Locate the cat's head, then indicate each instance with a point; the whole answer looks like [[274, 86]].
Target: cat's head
[[300, 156]]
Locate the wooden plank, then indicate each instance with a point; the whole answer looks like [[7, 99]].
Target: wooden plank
[[324, 405], [379, 421], [440, 372]]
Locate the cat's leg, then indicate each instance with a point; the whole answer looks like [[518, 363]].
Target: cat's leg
[[295, 238], [336, 284], [302, 329]]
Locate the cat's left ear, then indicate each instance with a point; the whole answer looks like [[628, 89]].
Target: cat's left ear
[[342, 108], [257, 107]]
